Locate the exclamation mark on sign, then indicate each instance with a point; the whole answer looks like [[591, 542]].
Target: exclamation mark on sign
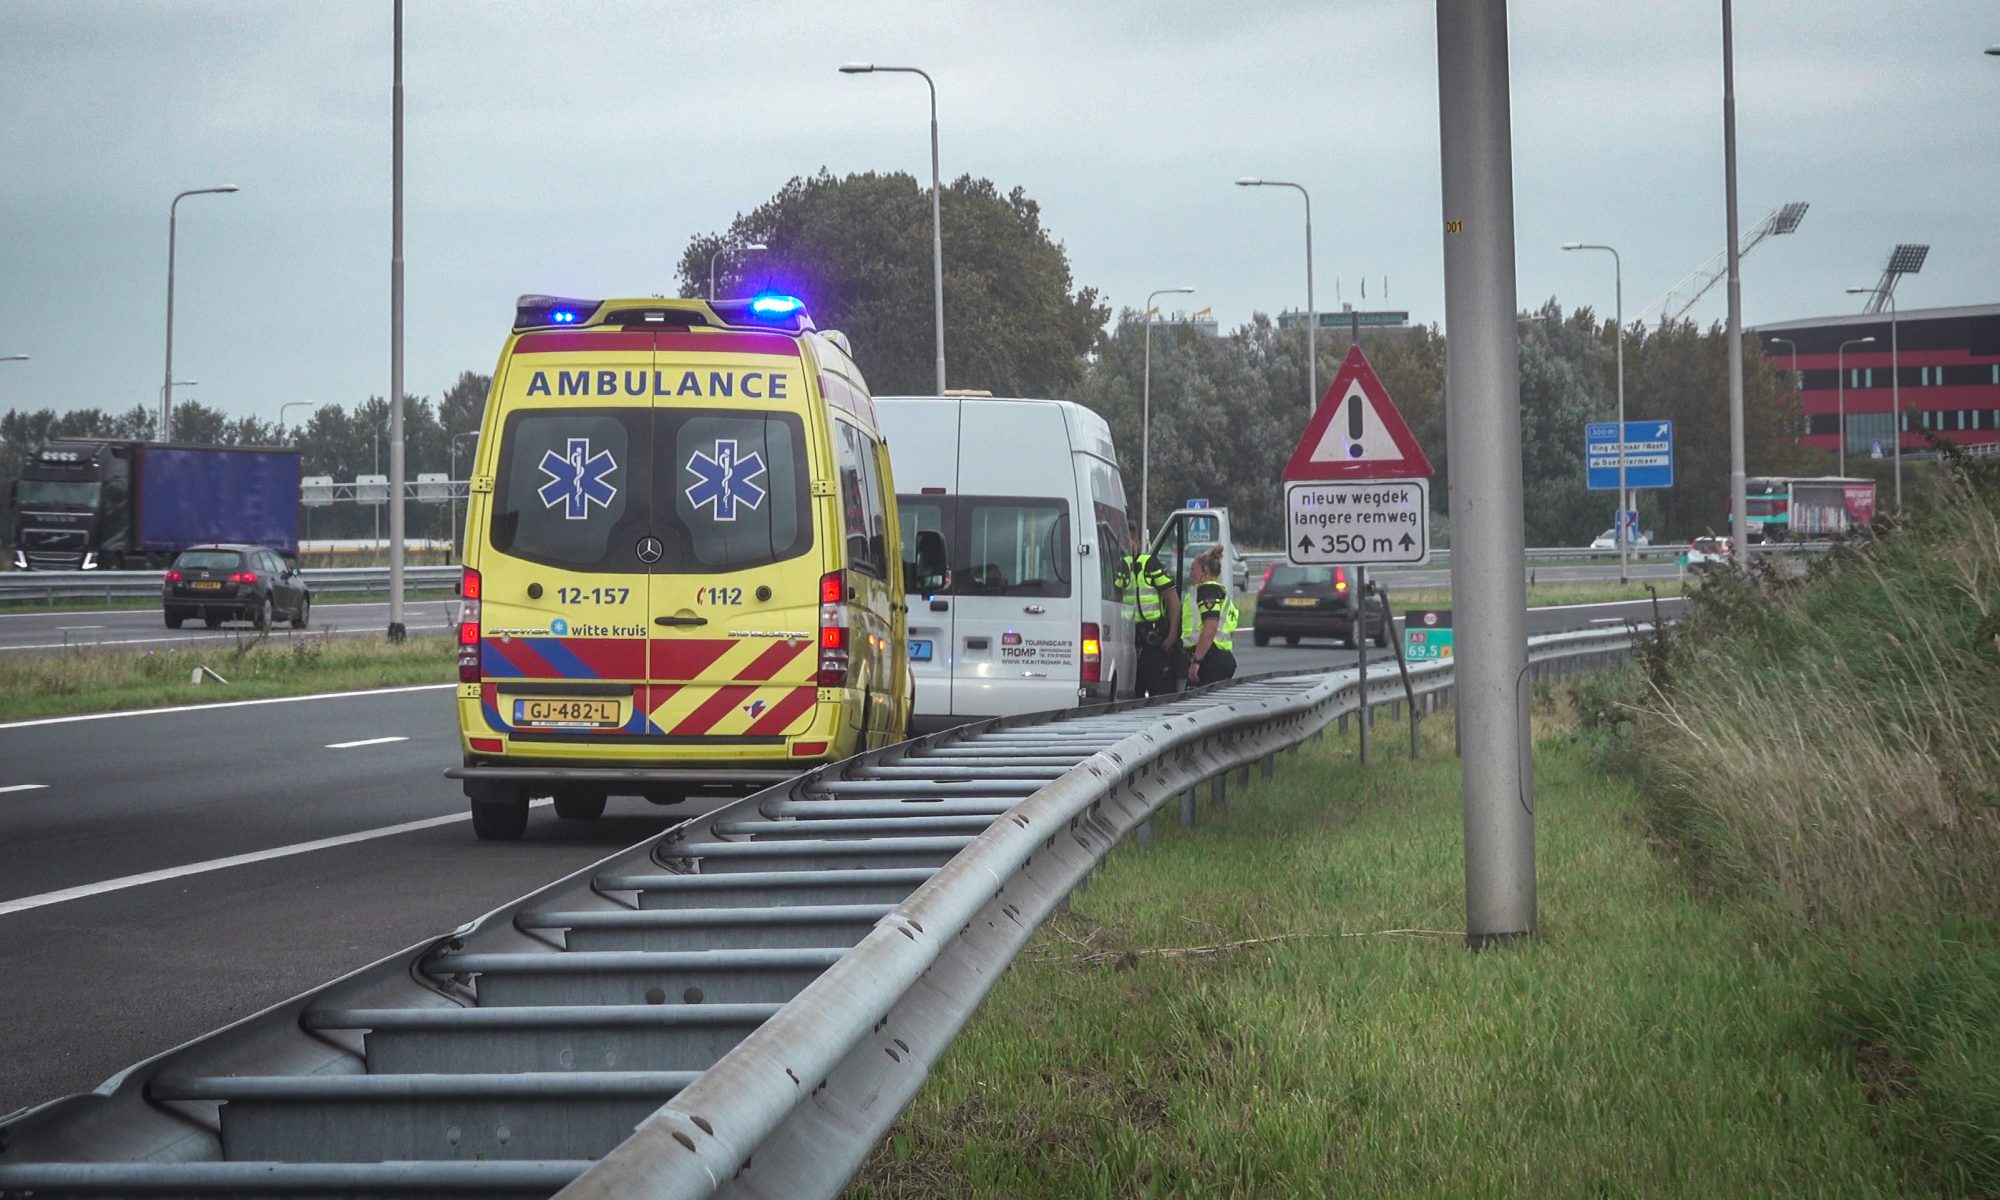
[[1354, 405]]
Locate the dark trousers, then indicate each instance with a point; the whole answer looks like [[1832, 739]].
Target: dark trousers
[[1216, 665], [1156, 666]]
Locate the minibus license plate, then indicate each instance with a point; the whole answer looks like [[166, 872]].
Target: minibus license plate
[[587, 714], [920, 649]]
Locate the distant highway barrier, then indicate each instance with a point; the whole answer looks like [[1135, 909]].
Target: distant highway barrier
[[52, 586]]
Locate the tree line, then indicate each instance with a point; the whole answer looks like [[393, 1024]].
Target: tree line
[[1225, 410]]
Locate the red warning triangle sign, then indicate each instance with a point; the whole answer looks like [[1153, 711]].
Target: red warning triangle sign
[[1356, 433]]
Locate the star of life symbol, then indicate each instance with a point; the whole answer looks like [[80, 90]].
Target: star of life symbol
[[576, 479], [724, 480], [755, 708]]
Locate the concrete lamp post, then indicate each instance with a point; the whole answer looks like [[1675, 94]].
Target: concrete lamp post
[[752, 248], [167, 376], [937, 224], [1618, 293], [1312, 311]]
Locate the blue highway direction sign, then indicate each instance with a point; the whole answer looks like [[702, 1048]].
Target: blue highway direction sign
[[1649, 454]]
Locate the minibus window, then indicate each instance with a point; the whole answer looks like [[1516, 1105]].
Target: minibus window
[[1013, 547], [926, 514]]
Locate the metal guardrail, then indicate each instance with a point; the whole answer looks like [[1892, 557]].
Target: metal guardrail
[[51, 586], [739, 1007], [1257, 560]]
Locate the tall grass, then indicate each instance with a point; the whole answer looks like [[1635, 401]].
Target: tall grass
[[1826, 751]]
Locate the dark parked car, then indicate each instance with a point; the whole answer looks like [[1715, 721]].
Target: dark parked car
[[1303, 602], [235, 583]]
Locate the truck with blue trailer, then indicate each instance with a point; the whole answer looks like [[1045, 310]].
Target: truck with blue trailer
[[84, 504]]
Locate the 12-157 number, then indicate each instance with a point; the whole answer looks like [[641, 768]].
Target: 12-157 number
[[593, 595]]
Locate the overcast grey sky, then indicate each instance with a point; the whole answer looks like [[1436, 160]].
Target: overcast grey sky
[[574, 147]]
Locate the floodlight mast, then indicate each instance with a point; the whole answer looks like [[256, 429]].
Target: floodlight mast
[[1906, 259], [1683, 296]]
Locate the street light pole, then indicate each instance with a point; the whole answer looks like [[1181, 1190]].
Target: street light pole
[[720, 251], [1483, 398], [1312, 311], [167, 376], [1841, 370], [937, 223], [1895, 393], [1794, 348], [396, 471], [1146, 422], [288, 405], [1624, 503], [1739, 500]]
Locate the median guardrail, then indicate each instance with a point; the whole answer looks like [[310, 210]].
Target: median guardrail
[[738, 1007], [1257, 560], [51, 587]]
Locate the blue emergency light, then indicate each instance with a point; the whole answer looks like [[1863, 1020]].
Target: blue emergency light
[[771, 304]]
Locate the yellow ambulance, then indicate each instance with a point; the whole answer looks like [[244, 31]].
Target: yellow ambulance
[[683, 568]]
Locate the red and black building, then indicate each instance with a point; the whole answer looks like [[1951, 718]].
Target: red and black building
[[1946, 359]]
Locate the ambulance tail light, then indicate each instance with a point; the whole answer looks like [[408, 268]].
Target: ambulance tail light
[[468, 627], [833, 630], [1093, 653]]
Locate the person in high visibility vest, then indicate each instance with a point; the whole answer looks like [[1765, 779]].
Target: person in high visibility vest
[[1151, 600], [1210, 623]]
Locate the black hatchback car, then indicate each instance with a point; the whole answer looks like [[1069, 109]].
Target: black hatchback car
[[235, 583], [1303, 602]]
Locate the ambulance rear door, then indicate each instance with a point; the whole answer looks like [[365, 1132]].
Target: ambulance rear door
[[736, 567], [566, 590]]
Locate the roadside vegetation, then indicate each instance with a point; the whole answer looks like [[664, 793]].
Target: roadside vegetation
[[1824, 755], [1768, 963], [90, 679], [1280, 1003]]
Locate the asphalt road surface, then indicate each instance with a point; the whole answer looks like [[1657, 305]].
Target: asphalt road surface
[[145, 628], [164, 873]]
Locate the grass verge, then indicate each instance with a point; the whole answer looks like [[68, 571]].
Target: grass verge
[[100, 680], [1823, 753], [1279, 1003]]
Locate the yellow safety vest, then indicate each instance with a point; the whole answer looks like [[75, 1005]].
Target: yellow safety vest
[[1139, 582], [1213, 600]]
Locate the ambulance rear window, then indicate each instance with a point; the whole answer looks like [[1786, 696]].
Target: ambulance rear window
[[593, 489]]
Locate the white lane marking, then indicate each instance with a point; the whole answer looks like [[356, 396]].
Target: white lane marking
[[22, 787], [66, 627], [380, 741], [181, 708], [235, 860]]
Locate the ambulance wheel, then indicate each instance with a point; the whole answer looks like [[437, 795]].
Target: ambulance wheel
[[1261, 638], [499, 811], [579, 804]]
